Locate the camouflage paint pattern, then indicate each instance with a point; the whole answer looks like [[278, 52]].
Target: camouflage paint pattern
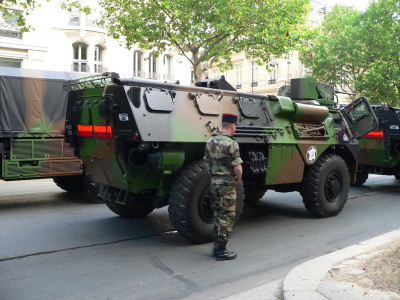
[[224, 203], [222, 154], [148, 119], [32, 120], [380, 150]]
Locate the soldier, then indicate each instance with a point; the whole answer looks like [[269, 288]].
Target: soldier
[[223, 159]]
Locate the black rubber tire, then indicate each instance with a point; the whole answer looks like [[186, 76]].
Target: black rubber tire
[[361, 178], [73, 184], [133, 207], [190, 208], [253, 195], [325, 186]]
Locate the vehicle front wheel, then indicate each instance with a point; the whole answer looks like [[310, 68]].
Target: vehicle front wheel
[[325, 186], [190, 208]]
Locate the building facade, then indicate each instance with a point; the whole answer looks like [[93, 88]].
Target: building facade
[[71, 41], [247, 76]]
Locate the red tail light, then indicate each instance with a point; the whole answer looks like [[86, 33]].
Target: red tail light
[[85, 130], [374, 135], [104, 132]]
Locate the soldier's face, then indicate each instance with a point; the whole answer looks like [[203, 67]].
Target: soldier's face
[[233, 128]]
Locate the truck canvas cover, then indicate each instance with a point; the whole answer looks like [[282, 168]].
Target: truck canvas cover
[[32, 102]]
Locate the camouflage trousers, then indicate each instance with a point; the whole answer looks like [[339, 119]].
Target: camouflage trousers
[[223, 194]]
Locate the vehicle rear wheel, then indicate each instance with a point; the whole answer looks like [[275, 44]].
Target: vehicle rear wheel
[[133, 206], [73, 184], [190, 209], [325, 186], [252, 195], [361, 178]]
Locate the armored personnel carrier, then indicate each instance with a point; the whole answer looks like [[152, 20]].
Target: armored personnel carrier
[[32, 121], [379, 150], [142, 144]]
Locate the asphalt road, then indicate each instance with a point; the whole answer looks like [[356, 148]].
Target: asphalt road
[[57, 245]]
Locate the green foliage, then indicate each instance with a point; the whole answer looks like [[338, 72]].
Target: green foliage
[[208, 30], [14, 12], [358, 51]]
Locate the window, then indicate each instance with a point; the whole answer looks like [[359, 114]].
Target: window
[[192, 76], [215, 75], [167, 67], [9, 62], [272, 73], [74, 18], [304, 70], [98, 59], [227, 76], [8, 24], [137, 64], [80, 58], [153, 66], [238, 76], [254, 68]]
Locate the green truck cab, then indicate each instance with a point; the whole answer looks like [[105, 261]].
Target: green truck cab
[[142, 145], [32, 121], [379, 150]]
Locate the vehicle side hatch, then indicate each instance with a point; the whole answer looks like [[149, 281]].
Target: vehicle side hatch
[[360, 117]]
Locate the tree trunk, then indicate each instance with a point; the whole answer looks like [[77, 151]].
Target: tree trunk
[[197, 72]]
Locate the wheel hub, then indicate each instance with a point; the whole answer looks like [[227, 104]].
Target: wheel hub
[[333, 187], [205, 206]]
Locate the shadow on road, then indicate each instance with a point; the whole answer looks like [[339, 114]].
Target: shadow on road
[[46, 198]]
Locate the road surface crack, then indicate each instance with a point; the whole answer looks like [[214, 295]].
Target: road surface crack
[[86, 246]]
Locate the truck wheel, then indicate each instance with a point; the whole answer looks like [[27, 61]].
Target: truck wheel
[[325, 186], [253, 195], [190, 209], [361, 178], [74, 183], [133, 207]]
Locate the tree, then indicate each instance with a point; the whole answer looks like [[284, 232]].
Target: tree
[[335, 55], [359, 51], [381, 39], [208, 31]]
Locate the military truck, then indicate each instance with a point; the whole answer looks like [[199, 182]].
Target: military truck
[[142, 143], [379, 150], [32, 120]]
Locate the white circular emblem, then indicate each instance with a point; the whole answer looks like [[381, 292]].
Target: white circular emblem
[[311, 154]]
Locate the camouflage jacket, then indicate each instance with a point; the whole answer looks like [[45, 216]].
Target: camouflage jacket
[[222, 154]]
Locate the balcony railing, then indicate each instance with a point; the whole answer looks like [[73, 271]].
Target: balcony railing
[[238, 86], [254, 83], [169, 77], [80, 68], [74, 19], [154, 75], [139, 74], [272, 81]]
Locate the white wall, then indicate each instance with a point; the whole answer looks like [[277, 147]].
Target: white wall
[[49, 46]]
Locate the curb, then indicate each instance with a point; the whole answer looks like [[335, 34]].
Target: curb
[[306, 281]]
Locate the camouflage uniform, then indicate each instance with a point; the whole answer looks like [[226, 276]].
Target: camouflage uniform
[[221, 155]]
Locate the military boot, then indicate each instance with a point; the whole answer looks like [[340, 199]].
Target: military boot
[[223, 254], [215, 249]]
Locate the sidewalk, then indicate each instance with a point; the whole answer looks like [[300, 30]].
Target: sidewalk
[[308, 280]]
